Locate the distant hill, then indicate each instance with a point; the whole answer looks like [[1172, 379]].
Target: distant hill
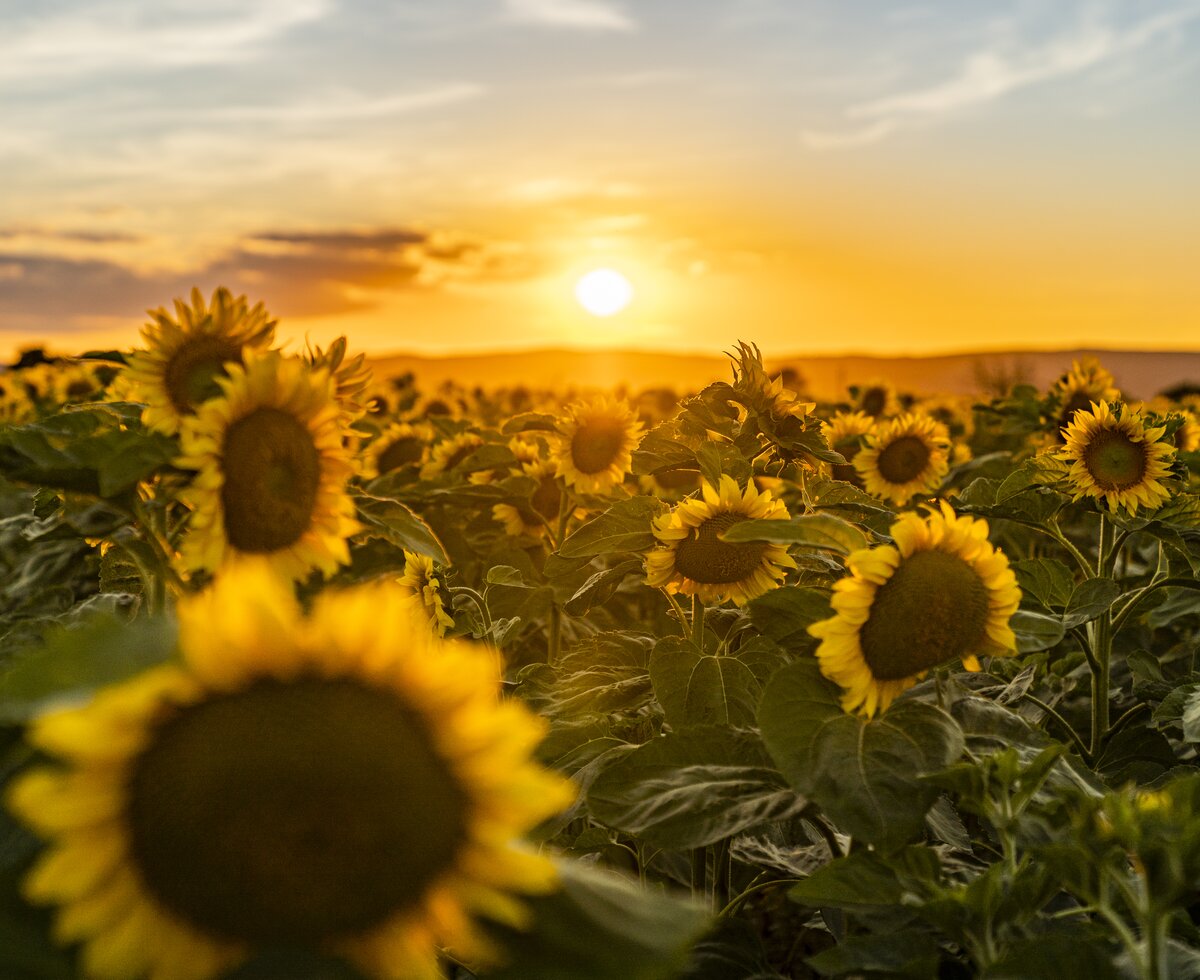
[[1140, 374]]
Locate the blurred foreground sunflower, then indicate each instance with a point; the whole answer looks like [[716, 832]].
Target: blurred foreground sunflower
[[1115, 459], [693, 559], [907, 455], [596, 443], [187, 353], [941, 592], [272, 471], [341, 781]]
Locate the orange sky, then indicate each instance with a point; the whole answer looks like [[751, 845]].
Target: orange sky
[[435, 177]]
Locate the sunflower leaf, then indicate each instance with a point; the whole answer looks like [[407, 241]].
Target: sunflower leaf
[[697, 689], [599, 926], [1090, 599], [693, 788], [1035, 631], [390, 519], [808, 530], [625, 527], [1047, 580], [600, 587]]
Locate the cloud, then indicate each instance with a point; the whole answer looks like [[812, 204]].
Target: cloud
[[989, 75], [82, 237], [589, 15], [130, 36], [296, 273], [346, 108]]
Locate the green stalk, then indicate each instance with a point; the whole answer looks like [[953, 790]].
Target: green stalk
[[1100, 633], [699, 871], [698, 621]]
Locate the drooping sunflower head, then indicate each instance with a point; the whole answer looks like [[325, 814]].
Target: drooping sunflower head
[[352, 378], [941, 592], [544, 507], [694, 559], [422, 587], [1088, 381], [596, 443], [904, 456], [845, 433], [342, 781], [400, 444], [878, 399], [448, 453], [762, 393], [272, 471], [186, 354], [1116, 459]]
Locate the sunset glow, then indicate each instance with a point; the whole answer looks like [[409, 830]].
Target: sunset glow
[[603, 292]]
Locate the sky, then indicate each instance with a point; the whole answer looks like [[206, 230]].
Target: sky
[[433, 176]]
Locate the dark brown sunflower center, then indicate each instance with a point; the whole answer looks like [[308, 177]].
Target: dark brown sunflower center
[[705, 558], [402, 451], [272, 471], [596, 444], [547, 498], [1114, 460], [191, 373], [874, 401], [933, 609], [904, 459], [292, 813], [846, 471]]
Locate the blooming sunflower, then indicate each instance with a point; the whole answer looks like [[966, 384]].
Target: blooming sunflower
[[906, 455], [878, 399], [343, 781], [940, 592], [545, 504], [1088, 381], [448, 453], [400, 444], [423, 590], [596, 443], [695, 560], [1187, 436], [185, 355], [272, 470], [845, 433], [352, 378], [1116, 459]]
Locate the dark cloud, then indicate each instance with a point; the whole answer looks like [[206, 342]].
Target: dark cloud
[[327, 273]]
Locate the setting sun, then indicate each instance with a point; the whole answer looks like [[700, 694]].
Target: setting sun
[[603, 292]]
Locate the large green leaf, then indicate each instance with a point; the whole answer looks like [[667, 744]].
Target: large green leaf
[[393, 521], [697, 688], [864, 774], [602, 927], [857, 881], [625, 527], [692, 788], [1048, 580], [784, 614], [821, 531]]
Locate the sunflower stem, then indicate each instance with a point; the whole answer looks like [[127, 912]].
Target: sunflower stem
[[679, 613], [699, 871], [698, 621], [1100, 635], [722, 865], [1084, 751], [554, 642]]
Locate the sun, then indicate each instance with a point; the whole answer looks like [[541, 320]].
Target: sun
[[603, 292]]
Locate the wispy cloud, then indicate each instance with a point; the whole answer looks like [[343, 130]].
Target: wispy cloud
[[989, 75], [591, 15], [127, 36], [355, 106]]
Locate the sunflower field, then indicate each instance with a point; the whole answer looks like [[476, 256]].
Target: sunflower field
[[310, 675]]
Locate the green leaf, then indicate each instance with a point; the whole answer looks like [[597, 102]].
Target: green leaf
[[1091, 598], [599, 926], [695, 688], [530, 422], [784, 614], [391, 520], [625, 527], [1037, 471], [507, 575], [601, 587], [1035, 631], [860, 880], [732, 949], [692, 788], [1191, 715], [896, 954], [1053, 957], [1048, 580], [74, 662], [864, 774], [809, 531]]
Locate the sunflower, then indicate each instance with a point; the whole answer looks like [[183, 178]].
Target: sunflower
[[545, 504], [423, 589], [673, 483], [759, 391], [352, 378], [1116, 459], [448, 453], [695, 560], [940, 592], [343, 781], [596, 443], [1187, 436], [904, 456], [400, 444], [845, 433], [272, 470], [187, 354], [878, 399], [1088, 381]]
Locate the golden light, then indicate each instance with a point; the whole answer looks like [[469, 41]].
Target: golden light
[[603, 292]]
